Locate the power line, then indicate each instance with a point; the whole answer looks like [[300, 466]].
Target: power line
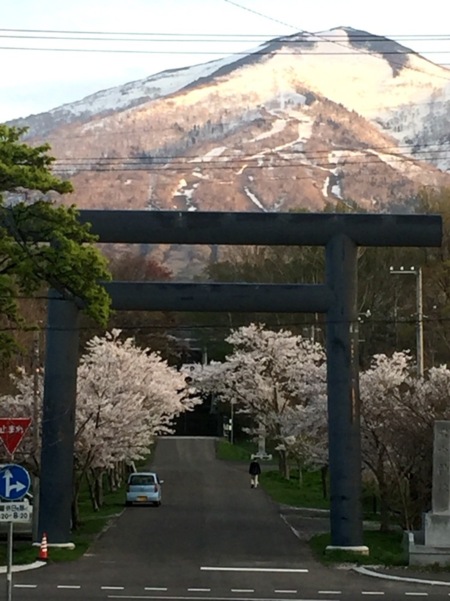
[[224, 54], [406, 52], [388, 149], [231, 164], [215, 325], [360, 36]]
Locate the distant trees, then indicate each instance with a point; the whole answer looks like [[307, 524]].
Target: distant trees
[[386, 303], [149, 329]]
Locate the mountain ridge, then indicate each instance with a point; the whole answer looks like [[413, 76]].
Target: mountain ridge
[[299, 121]]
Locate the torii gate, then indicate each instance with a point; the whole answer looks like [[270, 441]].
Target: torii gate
[[341, 234]]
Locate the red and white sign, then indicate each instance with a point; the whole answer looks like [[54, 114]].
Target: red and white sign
[[12, 430]]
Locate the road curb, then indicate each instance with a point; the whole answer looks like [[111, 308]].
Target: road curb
[[24, 567], [368, 572]]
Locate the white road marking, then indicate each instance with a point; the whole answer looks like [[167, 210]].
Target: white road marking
[[330, 592], [281, 591], [112, 588], [155, 588], [242, 590], [417, 594], [199, 590], [77, 586], [25, 585], [225, 569], [372, 593]]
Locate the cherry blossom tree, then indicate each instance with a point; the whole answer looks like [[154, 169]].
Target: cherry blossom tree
[[380, 391], [278, 380], [305, 437], [398, 412], [126, 396]]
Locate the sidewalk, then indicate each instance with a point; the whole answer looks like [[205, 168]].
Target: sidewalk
[[307, 522]]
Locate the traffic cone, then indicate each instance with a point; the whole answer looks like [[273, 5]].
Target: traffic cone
[[43, 549]]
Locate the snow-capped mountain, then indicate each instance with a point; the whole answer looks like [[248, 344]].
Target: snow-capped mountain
[[297, 122]]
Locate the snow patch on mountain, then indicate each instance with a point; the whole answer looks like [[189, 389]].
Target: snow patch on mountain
[[254, 199], [277, 127], [144, 90], [397, 162], [209, 156]]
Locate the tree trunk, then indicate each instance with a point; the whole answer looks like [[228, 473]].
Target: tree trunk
[[98, 487], [283, 464], [300, 474], [90, 477], [384, 498], [75, 510]]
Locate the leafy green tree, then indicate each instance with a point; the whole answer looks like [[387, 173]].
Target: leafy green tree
[[41, 242]]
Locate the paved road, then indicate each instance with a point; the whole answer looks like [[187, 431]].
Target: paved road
[[213, 538]]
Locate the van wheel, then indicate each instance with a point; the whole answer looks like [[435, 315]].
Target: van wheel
[[128, 503], [157, 504]]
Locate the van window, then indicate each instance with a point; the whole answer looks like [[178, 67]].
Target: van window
[[141, 480]]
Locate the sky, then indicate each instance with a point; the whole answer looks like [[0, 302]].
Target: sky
[[110, 46]]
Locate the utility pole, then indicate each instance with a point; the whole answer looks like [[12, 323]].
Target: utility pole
[[419, 313], [35, 478], [419, 333]]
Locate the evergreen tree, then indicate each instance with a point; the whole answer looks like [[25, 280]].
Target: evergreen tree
[[40, 241]]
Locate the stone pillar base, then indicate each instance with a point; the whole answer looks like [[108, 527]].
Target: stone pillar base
[[70, 546], [360, 549], [425, 555], [437, 529]]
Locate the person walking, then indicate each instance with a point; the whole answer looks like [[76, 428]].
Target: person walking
[[254, 470]]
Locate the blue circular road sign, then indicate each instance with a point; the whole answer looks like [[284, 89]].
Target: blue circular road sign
[[15, 482]]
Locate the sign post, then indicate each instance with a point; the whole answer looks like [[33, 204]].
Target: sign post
[[14, 484], [9, 562]]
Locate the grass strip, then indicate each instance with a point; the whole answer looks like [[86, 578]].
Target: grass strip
[[385, 548]]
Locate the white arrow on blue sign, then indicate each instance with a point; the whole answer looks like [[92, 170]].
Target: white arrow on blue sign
[[15, 482]]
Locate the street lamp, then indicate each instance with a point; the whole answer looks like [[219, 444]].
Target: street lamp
[[417, 272]]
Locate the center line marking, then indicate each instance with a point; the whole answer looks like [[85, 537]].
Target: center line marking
[[199, 590], [242, 590], [25, 586], [112, 588], [155, 588], [372, 593], [76, 586], [281, 591], [281, 570], [330, 592]]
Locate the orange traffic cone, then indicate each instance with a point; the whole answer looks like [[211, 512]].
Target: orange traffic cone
[[43, 549]]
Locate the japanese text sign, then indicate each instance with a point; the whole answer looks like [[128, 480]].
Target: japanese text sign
[[12, 430]]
